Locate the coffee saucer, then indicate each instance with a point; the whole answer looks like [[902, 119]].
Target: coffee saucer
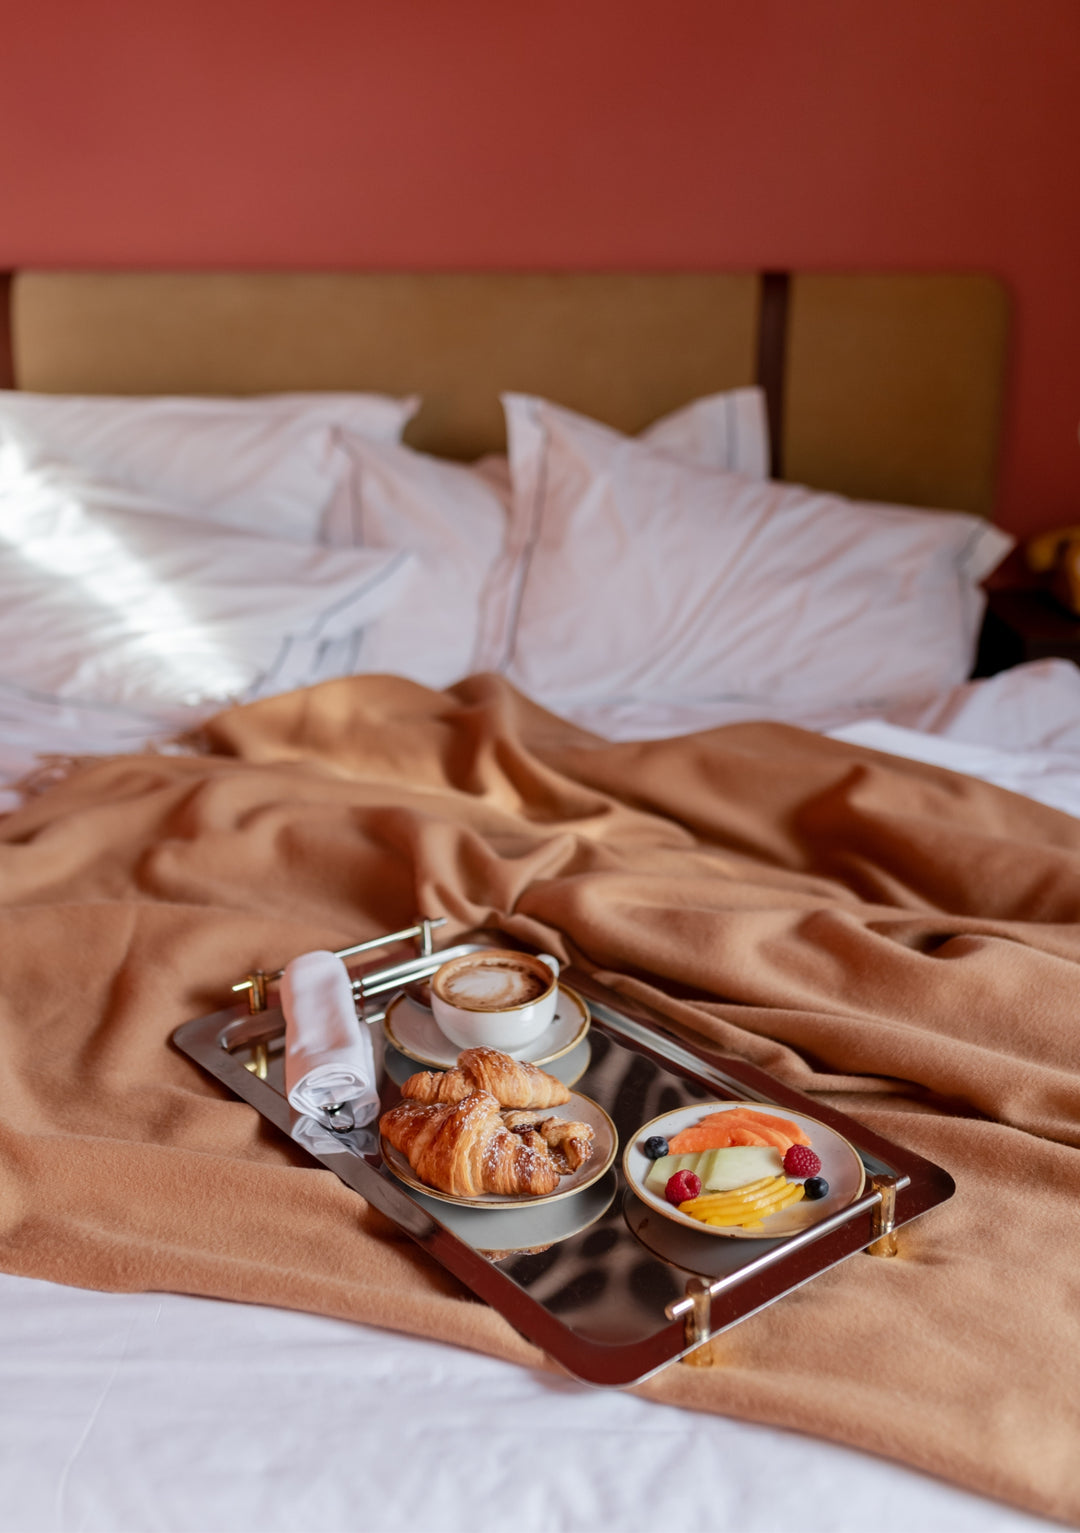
[[412, 1030]]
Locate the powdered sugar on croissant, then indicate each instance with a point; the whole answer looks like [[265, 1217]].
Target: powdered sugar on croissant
[[569, 1144], [512, 1082], [465, 1149]]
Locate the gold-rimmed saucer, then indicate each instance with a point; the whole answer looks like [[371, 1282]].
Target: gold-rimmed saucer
[[411, 1029]]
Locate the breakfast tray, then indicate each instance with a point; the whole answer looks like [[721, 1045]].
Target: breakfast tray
[[607, 1287]]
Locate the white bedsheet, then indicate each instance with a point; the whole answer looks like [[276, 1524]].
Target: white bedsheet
[[125, 1413], [35, 731]]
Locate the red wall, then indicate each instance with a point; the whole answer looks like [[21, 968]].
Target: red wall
[[936, 134]]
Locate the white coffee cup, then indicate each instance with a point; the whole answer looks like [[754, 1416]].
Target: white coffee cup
[[496, 998]]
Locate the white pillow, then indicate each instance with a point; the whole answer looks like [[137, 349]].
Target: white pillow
[[272, 464], [107, 597], [453, 523], [643, 577], [729, 430]]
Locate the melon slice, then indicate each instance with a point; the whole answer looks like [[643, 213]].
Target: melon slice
[[720, 1170], [725, 1170], [662, 1170]]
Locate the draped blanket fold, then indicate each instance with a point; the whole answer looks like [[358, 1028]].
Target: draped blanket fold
[[902, 940]]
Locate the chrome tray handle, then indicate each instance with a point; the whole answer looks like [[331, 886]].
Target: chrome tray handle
[[257, 981], [695, 1307]]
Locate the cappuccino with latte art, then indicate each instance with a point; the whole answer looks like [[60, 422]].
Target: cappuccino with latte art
[[495, 998]]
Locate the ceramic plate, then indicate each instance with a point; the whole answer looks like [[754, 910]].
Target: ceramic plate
[[840, 1166], [412, 1030], [579, 1109]]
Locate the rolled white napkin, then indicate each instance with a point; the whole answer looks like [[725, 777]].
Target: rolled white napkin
[[328, 1055]]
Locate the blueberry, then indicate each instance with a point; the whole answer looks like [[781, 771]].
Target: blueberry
[[655, 1148], [815, 1187]]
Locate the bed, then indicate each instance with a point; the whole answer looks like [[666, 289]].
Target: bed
[[226, 490]]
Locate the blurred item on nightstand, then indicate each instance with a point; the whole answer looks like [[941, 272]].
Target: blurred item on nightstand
[[1054, 558], [1033, 605]]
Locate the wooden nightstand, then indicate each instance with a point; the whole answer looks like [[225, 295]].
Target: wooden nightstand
[[1025, 625]]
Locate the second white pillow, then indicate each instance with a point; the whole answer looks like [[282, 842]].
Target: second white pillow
[[648, 578]]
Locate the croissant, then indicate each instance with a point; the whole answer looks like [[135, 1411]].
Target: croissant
[[464, 1148], [569, 1144], [512, 1082]]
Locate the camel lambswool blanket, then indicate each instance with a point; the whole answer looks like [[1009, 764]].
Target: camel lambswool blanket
[[900, 939]]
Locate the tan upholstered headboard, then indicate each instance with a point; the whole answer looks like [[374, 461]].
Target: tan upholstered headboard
[[887, 387]]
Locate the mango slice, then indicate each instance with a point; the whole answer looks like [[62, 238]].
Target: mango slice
[[747, 1207]]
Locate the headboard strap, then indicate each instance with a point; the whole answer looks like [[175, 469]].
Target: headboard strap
[[772, 359], [7, 354]]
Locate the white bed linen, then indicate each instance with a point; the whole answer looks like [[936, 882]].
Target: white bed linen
[[124, 1413], [36, 732]]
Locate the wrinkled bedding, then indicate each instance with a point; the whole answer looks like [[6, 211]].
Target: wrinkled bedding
[[899, 938]]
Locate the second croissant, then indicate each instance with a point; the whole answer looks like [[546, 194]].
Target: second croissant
[[512, 1082]]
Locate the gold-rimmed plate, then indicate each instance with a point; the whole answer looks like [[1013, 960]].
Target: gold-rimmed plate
[[411, 1028], [579, 1109], [841, 1167]]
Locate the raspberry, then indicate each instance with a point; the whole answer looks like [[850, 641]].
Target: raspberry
[[800, 1160], [683, 1185]]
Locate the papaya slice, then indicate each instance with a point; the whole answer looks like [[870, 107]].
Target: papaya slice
[[691, 1141], [772, 1134], [792, 1132], [747, 1133], [785, 1125], [714, 1136]]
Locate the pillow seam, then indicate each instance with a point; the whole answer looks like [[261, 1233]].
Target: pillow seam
[[373, 582]]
